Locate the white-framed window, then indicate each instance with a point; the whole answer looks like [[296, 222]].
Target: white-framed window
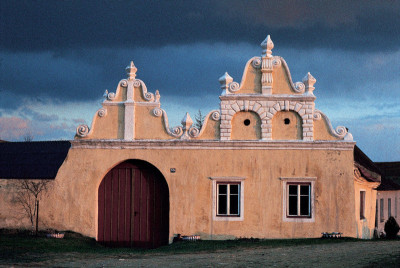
[[389, 208], [298, 199], [228, 198], [381, 206]]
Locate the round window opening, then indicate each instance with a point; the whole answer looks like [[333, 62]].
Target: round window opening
[[287, 121], [246, 122]]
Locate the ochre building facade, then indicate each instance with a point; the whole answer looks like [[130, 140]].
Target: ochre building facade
[[264, 164]]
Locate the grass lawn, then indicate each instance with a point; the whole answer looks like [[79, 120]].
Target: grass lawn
[[22, 247]]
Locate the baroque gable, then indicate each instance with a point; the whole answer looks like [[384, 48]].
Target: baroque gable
[[266, 106]]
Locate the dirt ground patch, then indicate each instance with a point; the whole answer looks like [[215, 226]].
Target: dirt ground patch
[[350, 254]]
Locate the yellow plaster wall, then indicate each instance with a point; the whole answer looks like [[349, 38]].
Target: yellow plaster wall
[[321, 130], [110, 126], [211, 130], [252, 82], [281, 83], [365, 227], [149, 126], [72, 203], [138, 94], [242, 132], [291, 131]]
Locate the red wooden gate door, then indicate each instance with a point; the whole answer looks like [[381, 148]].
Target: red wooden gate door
[[133, 206]]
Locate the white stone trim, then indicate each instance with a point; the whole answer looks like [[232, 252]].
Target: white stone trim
[[285, 181], [232, 179], [266, 111], [213, 144]]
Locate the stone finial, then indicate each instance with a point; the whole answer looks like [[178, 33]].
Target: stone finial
[[131, 71], [309, 82], [105, 95], [157, 96], [187, 121], [225, 80], [267, 45], [186, 124]]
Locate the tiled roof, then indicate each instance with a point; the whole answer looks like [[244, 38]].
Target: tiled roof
[[391, 175], [32, 160], [366, 166]]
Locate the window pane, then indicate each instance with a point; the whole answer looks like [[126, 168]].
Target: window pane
[[292, 189], [234, 205], [304, 206], [234, 189], [222, 188], [222, 204], [293, 205], [304, 189]]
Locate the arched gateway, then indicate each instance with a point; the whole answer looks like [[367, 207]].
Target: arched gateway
[[133, 207]]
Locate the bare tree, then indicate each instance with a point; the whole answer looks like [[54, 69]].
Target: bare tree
[[28, 137], [28, 195], [199, 117]]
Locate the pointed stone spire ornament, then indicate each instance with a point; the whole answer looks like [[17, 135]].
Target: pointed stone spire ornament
[[186, 122], [225, 80], [309, 82], [267, 45], [131, 71]]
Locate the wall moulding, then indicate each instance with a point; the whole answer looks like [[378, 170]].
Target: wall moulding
[[213, 144], [276, 97]]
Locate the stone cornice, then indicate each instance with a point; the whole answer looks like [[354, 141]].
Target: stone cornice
[[213, 145], [273, 97]]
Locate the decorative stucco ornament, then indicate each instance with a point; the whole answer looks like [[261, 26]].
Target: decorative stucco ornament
[[194, 132], [111, 96], [309, 82], [225, 80], [216, 115], [299, 87], [131, 71], [102, 112], [176, 131], [82, 130], [186, 122], [317, 115], [276, 62], [157, 112], [256, 62], [234, 86], [123, 83], [136, 83]]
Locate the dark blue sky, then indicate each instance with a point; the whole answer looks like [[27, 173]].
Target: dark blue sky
[[58, 57]]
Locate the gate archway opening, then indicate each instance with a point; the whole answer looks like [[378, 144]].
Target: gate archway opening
[[133, 206]]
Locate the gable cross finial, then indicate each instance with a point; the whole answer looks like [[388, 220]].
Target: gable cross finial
[[131, 71]]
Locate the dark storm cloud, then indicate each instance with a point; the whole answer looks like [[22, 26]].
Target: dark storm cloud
[[49, 25]]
